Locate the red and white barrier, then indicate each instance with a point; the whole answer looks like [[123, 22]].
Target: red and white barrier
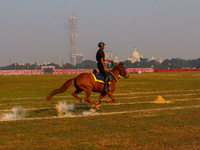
[[175, 70], [65, 71], [21, 72], [79, 71]]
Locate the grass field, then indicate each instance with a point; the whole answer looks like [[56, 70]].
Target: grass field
[[132, 122]]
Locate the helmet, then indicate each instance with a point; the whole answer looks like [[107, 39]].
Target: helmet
[[101, 43]]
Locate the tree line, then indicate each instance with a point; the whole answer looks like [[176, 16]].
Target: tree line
[[174, 63]]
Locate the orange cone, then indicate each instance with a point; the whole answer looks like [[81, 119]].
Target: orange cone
[[159, 99]]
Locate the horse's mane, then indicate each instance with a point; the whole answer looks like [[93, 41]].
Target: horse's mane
[[117, 66]]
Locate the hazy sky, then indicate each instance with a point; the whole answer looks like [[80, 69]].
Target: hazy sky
[[38, 30]]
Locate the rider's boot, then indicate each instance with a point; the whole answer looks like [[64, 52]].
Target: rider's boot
[[106, 85]]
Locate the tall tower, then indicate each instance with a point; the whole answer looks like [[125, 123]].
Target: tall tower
[[73, 39], [60, 61]]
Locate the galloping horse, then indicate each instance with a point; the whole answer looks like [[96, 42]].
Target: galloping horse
[[86, 82]]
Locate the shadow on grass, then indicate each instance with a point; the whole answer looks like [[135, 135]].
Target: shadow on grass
[[77, 108]]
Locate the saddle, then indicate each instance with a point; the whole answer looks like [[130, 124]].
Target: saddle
[[98, 77]]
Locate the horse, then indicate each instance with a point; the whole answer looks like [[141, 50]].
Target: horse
[[86, 82]]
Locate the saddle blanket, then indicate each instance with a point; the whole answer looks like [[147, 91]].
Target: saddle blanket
[[98, 77]]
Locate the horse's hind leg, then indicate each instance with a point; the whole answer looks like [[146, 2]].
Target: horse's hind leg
[[75, 95]]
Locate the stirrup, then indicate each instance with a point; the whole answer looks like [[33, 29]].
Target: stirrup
[[107, 89]]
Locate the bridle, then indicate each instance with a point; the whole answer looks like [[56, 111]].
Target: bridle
[[121, 70]]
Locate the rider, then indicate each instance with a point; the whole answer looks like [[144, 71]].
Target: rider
[[100, 57]]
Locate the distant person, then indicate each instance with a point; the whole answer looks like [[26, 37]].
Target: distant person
[[100, 57]]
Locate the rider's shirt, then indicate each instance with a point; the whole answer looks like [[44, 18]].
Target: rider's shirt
[[100, 54]]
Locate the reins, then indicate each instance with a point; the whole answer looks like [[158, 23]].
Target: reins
[[118, 68]]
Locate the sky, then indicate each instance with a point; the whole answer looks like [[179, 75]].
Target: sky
[[38, 30]]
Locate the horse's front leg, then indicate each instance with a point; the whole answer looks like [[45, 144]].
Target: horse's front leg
[[110, 94], [102, 95], [87, 99]]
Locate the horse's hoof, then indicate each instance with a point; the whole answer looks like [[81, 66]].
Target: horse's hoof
[[60, 116], [92, 110], [105, 100], [79, 102], [69, 115], [97, 107], [102, 100]]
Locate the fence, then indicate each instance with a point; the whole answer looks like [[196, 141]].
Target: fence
[[78, 71], [21, 72], [65, 71], [176, 70]]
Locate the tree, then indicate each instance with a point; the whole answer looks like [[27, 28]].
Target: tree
[[88, 64], [128, 64], [174, 63], [195, 63], [144, 63]]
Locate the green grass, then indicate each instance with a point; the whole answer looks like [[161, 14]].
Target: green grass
[[146, 125]]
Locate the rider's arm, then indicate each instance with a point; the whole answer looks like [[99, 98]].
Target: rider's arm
[[108, 60], [102, 61]]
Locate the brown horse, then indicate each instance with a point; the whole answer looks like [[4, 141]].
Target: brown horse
[[85, 82]]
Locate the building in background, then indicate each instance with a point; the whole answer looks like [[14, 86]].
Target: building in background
[[74, 57], [79, 58], [60, 61], [73, 39], [47, 63], [157, 59], [111, 56], [135, 56]]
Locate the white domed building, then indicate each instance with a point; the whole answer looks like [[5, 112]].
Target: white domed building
[[135, 56]]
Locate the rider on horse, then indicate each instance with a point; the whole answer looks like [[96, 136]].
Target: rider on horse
[[100, 57]]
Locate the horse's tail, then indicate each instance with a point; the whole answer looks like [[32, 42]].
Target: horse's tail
[[62, 89]]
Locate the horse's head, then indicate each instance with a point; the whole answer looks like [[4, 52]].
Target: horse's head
[[122, 70]]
